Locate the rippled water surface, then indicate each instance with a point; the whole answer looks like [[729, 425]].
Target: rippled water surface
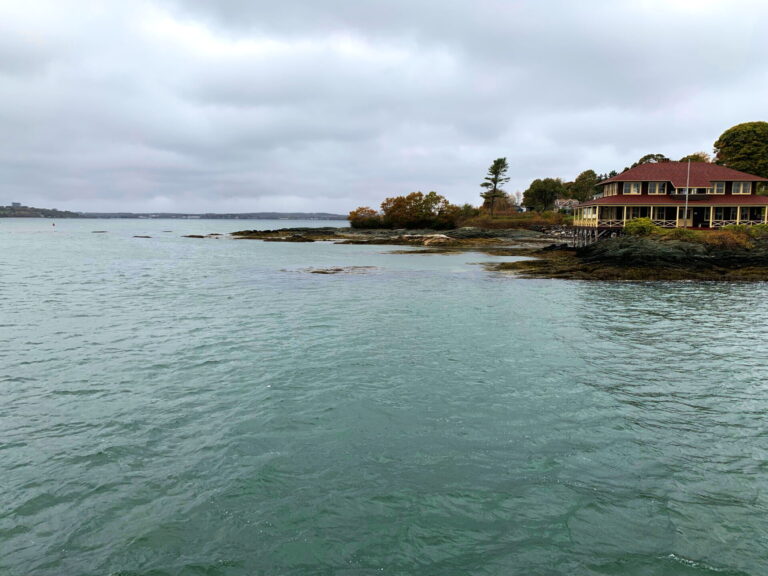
[[208, 407]]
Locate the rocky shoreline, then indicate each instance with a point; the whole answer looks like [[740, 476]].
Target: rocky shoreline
[[633, 258], [465, 238], [645, 259]]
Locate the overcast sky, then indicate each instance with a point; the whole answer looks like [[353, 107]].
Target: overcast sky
[[311, 105]]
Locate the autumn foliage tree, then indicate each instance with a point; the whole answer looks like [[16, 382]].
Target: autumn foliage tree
[[365, 217], [416, 210]]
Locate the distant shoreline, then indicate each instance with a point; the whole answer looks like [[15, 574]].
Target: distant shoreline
[[27, 212]]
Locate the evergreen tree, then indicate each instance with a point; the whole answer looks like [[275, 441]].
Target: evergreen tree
[[497, 176]]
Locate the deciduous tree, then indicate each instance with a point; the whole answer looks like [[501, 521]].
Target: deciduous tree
[[418, 210], [697, 157], [744, 147], [649, 159], [542, 193], [583, 188], [364, 217]]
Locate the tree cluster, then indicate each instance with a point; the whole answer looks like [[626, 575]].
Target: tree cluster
[[416, 210]]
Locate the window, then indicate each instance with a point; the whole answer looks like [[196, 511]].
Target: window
[[610, 189], [631, 188], [717, 188], [657, 187], [741, 188], [725, 213]]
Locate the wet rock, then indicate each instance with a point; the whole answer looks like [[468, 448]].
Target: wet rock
[[292, 238], [641, 251], [340, 270], [438, 240]]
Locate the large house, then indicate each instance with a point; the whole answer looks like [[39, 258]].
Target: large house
[[716, 196]]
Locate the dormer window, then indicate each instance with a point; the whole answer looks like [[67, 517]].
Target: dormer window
[[742, 188], [631, 188], [657, 187], [718, 188]]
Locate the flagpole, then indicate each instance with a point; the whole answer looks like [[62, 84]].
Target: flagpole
[[687, 189]]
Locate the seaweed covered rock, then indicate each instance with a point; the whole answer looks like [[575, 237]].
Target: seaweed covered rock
[[644, 251], [291, 238]]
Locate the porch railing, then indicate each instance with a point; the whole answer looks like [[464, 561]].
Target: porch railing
[[592, 222], [611, 223]]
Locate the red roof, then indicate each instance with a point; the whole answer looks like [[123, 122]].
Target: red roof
[[702, 174], [693, 201]]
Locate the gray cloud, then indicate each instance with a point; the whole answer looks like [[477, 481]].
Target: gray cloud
[[241, 105]]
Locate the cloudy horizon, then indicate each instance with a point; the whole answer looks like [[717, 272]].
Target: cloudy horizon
[[236, 106]]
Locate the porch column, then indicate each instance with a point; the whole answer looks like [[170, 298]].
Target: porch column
[[711, 215], [625, 216], [677, 217], [738, 215], [765, 214]]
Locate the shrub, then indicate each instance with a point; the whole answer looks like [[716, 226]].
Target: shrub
[[680, 234], [759, 231], [737, 229], [728, 239], [520, 220], [467, 211], [640, 227]]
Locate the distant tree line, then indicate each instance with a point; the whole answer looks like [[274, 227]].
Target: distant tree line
[[31, 212]]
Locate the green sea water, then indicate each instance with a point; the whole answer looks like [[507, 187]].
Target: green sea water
[[175, 406]]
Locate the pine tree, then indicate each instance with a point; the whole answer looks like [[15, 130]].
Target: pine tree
[[497, 176]]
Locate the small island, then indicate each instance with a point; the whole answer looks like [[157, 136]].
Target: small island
[[695, 219]]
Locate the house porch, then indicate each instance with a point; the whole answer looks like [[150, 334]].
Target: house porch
[[699, 217]]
